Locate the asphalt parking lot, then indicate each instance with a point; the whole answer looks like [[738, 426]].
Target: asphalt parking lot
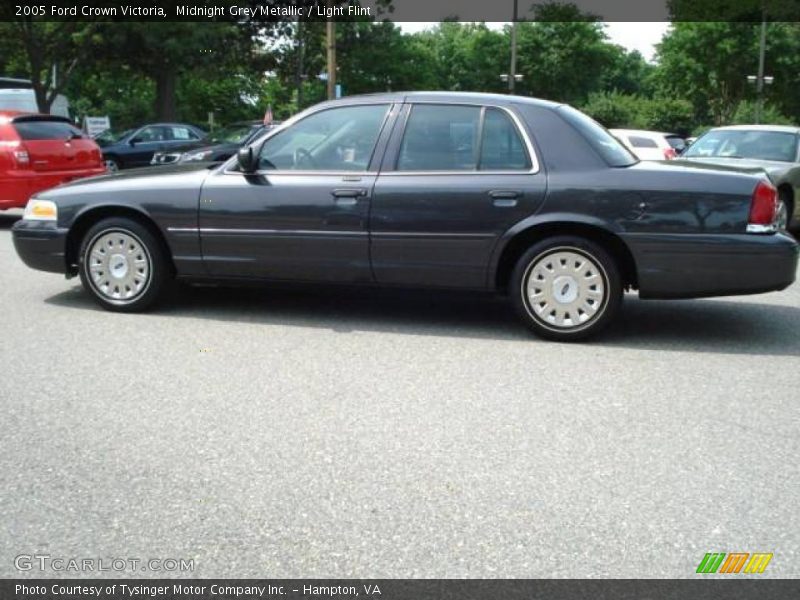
[[373, 433]]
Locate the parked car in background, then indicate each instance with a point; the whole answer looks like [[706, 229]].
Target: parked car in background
[[220, 144], [38, 152], [135, 147], [500, 193], [17, 95], [773, 149], [650, 145]]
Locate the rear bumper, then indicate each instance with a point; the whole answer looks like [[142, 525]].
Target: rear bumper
[[41, 245], [16, 187], [696, 266]]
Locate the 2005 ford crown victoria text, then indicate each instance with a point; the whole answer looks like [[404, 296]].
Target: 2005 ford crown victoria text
[[453, 190]]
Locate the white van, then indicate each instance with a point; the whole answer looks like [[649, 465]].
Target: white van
[[17, 94]]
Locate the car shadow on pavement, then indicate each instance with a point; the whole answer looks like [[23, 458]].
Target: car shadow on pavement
[[7, 219], [719, 325]]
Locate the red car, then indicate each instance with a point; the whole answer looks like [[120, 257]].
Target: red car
[[38, 152]]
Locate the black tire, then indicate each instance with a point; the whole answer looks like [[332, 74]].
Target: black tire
[[112, 163], [142, 255], [575, 304]]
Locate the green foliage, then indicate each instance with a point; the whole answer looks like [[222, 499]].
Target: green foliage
[[627, 111], [746, 115], [615, 109]]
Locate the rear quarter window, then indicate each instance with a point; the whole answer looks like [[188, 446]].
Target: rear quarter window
[[46, 130], [611, 150]]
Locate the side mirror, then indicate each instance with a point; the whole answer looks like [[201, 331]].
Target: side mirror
[[134, 141], [247, 160]]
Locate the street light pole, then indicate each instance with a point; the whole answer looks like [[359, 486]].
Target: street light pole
[[513, 71], [760, 81]]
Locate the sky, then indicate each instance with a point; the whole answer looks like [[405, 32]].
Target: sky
[[633, 36]]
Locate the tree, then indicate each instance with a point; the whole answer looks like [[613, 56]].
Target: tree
[[47, 53], [563, 61]]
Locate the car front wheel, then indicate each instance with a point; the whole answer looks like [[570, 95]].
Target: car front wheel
[[112, 165], [122, 265], [566, 288]]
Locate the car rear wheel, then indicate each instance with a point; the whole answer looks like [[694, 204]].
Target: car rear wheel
[[112, 165], [782, 215], [566, 288], [122, 265]]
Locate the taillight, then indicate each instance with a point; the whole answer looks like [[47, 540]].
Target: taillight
[[22, 157], [669, 153], [763, 208], [18, 151]]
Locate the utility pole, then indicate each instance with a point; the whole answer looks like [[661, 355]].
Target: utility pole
[[760, 81], [512, 73], [299, 74], [331, 35]]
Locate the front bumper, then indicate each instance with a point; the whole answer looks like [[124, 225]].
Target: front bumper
[[697, 266], [41, 245]]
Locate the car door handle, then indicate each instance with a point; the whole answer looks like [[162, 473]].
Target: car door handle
[[504, 198], [348, 196], [349, 193]]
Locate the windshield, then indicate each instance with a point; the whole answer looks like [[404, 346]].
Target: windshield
[[605, 144], [233, 134], [111, 137], [743, 143]]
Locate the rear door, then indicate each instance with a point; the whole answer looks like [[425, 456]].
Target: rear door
[[54, 144], [455, 178]]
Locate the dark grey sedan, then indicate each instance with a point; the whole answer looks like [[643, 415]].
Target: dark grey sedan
[[451, 190]]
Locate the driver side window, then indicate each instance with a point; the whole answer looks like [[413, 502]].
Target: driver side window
[[337, 139]]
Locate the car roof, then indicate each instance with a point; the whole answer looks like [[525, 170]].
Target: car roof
[[451, 97], [775, 128]]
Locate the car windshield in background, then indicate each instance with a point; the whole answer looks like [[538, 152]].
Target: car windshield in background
[[47, 130], [233, 134], [743, 143], [605, 144], [109, 137]]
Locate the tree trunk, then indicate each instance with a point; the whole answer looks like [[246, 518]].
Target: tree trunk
[[40, 92], [165, 93]]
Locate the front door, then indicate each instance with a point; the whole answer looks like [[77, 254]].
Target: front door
[[303, 215]]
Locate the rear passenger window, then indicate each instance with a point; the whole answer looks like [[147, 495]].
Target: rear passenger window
[[183, 133], [501, 146], [450, 138], [440, 138], [46, 130], [641, 142]]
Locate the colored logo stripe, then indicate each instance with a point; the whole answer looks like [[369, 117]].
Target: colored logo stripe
[[734, 562], [710, 562], [758, 562]]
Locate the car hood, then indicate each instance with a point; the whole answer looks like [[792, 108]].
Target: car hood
[[773, 167], [155, 178]]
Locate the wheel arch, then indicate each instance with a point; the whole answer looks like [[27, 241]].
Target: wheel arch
[[525, 236], [86, 219]]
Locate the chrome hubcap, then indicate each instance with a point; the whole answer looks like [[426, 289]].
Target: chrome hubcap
[[119, 266], [565, 289], [112, 166]]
